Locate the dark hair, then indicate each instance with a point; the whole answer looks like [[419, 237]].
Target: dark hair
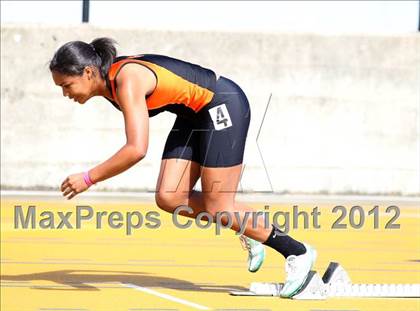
[[72, 58]]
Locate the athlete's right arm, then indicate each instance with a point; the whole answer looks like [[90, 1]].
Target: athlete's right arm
[[134, 82]]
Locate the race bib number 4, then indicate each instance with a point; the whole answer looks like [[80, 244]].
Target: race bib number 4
[[220, 117]]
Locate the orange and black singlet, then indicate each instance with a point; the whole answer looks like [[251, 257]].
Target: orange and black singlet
[[213, 113], [181, 87]]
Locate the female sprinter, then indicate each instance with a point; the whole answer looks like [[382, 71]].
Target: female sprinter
[[207, 140]]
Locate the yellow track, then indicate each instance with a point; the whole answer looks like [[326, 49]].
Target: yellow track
[[189, 269]]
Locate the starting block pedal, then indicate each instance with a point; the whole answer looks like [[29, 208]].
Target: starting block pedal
[[335, 282]]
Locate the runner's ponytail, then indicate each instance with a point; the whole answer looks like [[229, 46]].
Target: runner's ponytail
[[72, 58]]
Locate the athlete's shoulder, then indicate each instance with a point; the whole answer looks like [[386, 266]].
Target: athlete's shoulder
[[137, 75], [118, 63]]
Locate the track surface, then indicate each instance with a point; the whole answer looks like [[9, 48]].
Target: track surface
[[191, 269]]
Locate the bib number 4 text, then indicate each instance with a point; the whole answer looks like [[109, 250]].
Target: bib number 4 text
[[220, 116]]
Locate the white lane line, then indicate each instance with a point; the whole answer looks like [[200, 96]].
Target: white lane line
[[166, 296]]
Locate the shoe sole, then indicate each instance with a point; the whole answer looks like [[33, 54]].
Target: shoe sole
[[259, 266]]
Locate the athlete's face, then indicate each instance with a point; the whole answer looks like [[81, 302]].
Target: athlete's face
[[78, 88]]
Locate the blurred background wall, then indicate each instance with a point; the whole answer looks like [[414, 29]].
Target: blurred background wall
[[335, 108]]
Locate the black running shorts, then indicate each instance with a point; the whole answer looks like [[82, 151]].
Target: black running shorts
[[217, 134]]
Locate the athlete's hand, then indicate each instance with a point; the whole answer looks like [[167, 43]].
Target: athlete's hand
[[73, 185]]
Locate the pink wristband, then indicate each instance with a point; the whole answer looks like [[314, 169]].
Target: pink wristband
[[87, 179]]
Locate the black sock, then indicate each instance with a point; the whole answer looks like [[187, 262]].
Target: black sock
[[284, 244]]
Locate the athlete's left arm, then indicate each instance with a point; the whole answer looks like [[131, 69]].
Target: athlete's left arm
[[131, 97], [133, 85]]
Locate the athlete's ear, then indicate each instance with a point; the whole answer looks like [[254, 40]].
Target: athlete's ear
[[90, 73]]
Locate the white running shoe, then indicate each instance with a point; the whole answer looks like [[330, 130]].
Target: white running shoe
[[256, 252], [297, 270]]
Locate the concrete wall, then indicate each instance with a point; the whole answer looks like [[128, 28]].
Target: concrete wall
[[343, 116]]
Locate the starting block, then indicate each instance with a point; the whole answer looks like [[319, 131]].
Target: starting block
[[334, 283]]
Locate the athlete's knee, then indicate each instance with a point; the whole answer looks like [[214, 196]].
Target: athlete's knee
[[169, 200], [219, 208]]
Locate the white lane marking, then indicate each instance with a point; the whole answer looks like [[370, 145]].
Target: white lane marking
[[166, 296]]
